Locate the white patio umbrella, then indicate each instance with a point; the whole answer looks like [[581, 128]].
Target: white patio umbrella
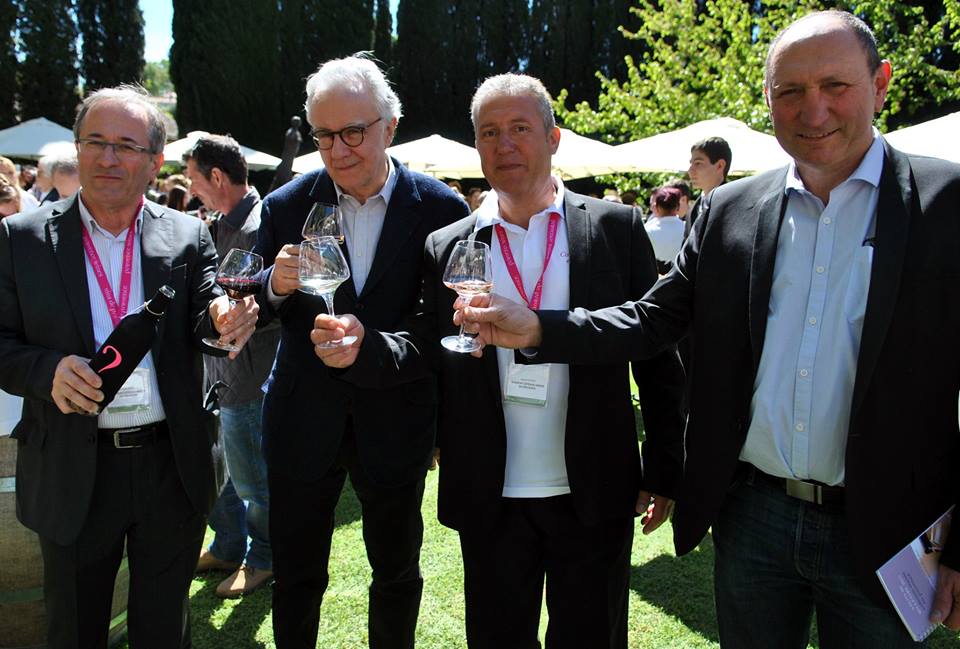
[[434, 155], [939, 138], [582, 157], [256, 160], [33, 138], [752, 150]]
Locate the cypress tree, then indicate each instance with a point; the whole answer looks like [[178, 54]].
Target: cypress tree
[[383, 33], [48, 82], [420, 59], [112, 32], [504, 36], [224, 64], [9, 66]]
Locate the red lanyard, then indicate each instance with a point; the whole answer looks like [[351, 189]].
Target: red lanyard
[[511, 263], [116, 310]]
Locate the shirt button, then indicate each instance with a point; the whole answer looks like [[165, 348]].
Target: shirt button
[[812, 321], [803, 372], [826, 220], [820, 269], [800, 428]]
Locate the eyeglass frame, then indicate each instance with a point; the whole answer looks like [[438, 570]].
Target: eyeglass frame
[[362, 130], [129, 149]]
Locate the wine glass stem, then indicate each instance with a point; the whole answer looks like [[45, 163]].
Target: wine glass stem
[[328, 298]]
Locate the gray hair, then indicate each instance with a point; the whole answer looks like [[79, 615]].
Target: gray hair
[[58, 155], [66, 163], [514, 85], [357, 73], [864, 34], [127, 93]]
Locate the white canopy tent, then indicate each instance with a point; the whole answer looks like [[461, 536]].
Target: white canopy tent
[[34, 138], [939, 138], [752, 150], [256, 160]]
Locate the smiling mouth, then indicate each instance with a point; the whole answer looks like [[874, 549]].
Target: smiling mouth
[[818, 136]]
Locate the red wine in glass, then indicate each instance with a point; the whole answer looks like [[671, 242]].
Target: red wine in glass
[[239, 276]]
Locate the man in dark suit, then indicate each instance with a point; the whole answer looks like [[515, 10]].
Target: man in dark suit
[[823, 297], [540, 473], [137, 473], [318, 428]]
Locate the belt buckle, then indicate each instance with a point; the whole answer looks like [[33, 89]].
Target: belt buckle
[[810, 493], [116, 437]]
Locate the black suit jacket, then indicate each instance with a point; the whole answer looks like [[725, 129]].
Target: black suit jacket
[[45, 315], [307, 404], [611, 259], [903, 447]]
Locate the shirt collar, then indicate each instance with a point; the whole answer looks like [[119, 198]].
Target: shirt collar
[[91, 223], [238, 214], [868, 171], [489, 211], [386, 191]]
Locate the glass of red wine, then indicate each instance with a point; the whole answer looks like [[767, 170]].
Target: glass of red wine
[[238, 275], [469, 273]]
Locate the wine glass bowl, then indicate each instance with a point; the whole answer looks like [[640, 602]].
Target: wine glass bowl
[[239, 275], [469, 273], [323, 220], [322, 269]]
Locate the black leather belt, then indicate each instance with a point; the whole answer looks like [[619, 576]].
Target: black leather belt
[[134, 436], [811, 492]]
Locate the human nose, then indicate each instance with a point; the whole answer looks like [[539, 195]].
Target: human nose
[[814, 108]]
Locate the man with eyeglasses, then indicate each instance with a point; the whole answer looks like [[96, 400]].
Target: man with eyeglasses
[[318, 427], [139, 473]]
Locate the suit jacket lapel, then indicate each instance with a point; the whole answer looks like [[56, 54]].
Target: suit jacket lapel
[[578, 240], [155, 252], [892, 230], [768, 213], [66, 239], [400, 221]]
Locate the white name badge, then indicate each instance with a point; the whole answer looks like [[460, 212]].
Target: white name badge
[[134, 394], [527, 384]]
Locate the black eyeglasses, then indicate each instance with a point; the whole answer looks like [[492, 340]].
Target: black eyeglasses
[[352, 136], [124, 150]]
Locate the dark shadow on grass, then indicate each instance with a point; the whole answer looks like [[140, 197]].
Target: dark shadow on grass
[[681, 587], [348, 507], [240, 628]]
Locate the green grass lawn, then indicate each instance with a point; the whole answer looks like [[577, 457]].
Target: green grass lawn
[[671, 599]]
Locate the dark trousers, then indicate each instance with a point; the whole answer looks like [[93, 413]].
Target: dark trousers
[[779, 560], [508, 553], [301, 529], [137, 498]]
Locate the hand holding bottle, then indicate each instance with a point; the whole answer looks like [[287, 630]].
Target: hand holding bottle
[[76, 387]]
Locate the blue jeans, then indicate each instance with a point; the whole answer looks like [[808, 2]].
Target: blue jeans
[[243, 508], [779, 560]]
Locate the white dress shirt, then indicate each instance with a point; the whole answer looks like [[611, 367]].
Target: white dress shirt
[[803, 391], [110, 250], [666, 235], [536, 464]]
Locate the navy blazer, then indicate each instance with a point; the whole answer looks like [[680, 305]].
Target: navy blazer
[[903, 446], [45, 315], [307, 404]]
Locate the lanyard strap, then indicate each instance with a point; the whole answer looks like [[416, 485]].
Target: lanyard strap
[[511, 263], [117, 309]]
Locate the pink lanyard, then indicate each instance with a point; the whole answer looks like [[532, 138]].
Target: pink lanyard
[[511, 263], [116, 310]]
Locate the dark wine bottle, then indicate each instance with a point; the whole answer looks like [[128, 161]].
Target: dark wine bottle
[[130, 341]]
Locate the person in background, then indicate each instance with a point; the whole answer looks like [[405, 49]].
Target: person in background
[[66, 176], [28, 176], [9, 198], [664, 227], [710, 160], [686, 196], [177, 199], [10, 173], [218, 175]]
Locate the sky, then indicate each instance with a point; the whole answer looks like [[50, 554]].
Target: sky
[[158, 18]]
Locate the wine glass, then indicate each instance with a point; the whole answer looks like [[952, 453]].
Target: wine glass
[[238, 275], [323, 268], [324, 220], [469, 272]]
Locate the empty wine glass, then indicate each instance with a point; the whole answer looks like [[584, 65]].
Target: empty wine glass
[[239, 275], [469, 272], [324, 220], [323, 268]]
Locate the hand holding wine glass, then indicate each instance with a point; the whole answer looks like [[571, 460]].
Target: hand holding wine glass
[[323, 268], [469, 272], [239, 275], [324, 220]]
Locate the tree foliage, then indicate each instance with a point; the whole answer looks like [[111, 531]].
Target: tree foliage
[[704, 59], [156, 77], [383, 33], [112, 33], [9, 66], [48, 70]]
